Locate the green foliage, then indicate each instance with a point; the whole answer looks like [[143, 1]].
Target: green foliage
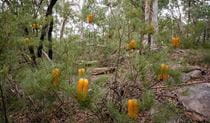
[[163, 4], [149, 65], [147, 100], [96, 92], [206, 58], [175, 77], [119, 117], [101, 81], [85, 103], [165, 112], [186, 43], [166, 28], [142, 65], [114, 21], [206, 45]]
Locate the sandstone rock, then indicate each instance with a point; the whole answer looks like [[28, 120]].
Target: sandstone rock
[[191, 75], [195, 74], [196, 99]]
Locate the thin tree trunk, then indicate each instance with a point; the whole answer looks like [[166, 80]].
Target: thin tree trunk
[[189, 16], [50, 52], [204, 34], [147, 19], [180, 19], [63, 27], [208, 30], [151, 17], [150, 38], [189, 11], [44, 29], [3, 104], [154, 22], [142, 18]]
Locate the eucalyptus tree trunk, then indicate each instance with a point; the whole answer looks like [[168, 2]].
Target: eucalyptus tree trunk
[[180, 25], [63, 27], [151, 18], [155, 22], [208, 30]]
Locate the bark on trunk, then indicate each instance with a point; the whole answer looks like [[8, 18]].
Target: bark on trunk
[[154, 22], [44, 30], [142, 18], [147, 19], [3, 105], [63, 28], [189, 11], [208, 30], [50, 52], [204, 34], [151, 18]]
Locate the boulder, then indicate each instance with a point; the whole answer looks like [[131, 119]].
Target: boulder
[[192, 75], [196, 99]]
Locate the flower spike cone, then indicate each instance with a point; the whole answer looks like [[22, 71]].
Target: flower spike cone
[[82, 88], [81, 72], [175, 42], [132, 44], [90, 18], [163, 75], [56, 73], [133, 108]]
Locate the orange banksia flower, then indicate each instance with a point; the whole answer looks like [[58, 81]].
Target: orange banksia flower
[[81, 72], [56, 73], [133, 108], [82, 88], [132, 44], [85, 87], [90, 18], [175, 41], [163, 75], [164, 68], [35, 26]]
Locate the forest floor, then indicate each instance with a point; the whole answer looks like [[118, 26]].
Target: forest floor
[[117, 83]]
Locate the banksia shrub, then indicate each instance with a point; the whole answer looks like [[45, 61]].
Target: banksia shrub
[[164, 72], [133, 108], [35, 26], [27, 41], [90, 18], [56, 73], [132, 44], [150, 29], [81, 72], [175, 41], [82, 89]]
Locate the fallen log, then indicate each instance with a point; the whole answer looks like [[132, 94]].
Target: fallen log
[[102, 70]]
